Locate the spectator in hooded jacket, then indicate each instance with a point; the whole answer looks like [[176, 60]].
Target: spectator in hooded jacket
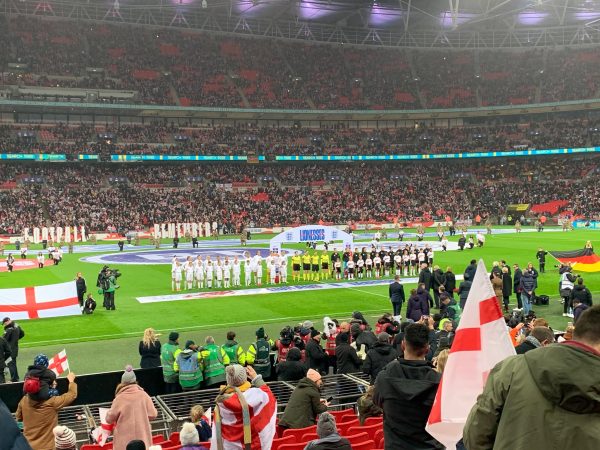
[[348, 360], [463, 289], [292, 369], [399, 384], [417, 306], [581, 293], [578, 309], [316, 356], [379, 356]]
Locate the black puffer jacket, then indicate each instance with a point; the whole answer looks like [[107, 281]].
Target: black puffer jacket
[[12, 438], [406, 391], [582, 293], [292, 369], [377, 358]]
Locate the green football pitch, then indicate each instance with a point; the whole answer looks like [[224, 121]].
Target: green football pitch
[[108, 340]]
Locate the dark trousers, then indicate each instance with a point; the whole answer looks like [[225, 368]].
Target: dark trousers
[[519, 302], [436, 298], [172, 388], [80, 297], [14, 373], [567, 304], [505, 300], [542, 267], [397, 307], [109, 300]]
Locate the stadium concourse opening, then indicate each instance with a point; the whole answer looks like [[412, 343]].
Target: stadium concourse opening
[[311, 234]]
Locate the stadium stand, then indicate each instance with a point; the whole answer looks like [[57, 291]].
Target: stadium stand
[[173, 67], [124, 197], [271, 141]]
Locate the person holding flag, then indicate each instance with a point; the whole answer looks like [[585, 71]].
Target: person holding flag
[[40, 417], [480, 342], [538, 397]]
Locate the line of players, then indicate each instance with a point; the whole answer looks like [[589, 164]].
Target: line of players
[[352, 264], [225, 273]]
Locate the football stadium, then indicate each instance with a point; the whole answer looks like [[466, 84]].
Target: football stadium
[[299, 224]]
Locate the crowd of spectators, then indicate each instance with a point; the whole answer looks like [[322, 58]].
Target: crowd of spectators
[[124, 197], [165, 138], [187, 68]]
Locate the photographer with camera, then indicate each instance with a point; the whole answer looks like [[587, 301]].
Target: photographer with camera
[[107, 284], [566, 284]]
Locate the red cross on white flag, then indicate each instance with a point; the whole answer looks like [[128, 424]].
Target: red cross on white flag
[[54, 300], [481, 341], [59, 363]]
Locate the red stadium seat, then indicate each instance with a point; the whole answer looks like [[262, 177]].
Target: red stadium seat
[[373, 420], [295, 446], [278, 442], [341, 413], [366, 445], [174, 438], [379, 437], [343, 426], [357, 438], [309, 437], [299, 432], [371, 430], [108, 446], [158, 439], [205, 444]]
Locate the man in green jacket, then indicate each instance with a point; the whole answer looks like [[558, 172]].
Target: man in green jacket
[[234, 350], [305, 403], [168, 355], [189, 363], [546, 398], [215, 360]]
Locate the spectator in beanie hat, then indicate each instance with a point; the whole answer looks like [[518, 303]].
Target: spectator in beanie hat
[[329, 438], [131, 412], [47, 378], [64, 438], [188, 436]]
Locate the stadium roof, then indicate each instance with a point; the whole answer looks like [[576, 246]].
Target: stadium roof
[[412, 23]]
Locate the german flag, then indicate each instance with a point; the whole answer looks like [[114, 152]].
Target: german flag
[[582, 260]]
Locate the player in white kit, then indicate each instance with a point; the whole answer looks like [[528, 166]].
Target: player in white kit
[[369, 267], [199, 272], [210, 269], [189, 273], [350, 266], [283, 268], [219, 274], [386, 264], [40, 260], [226, 273], [405, 262], [377, 264], [177, 276], [174, 262], [337, 265], [360, 267], [236, 269], [258, 268], [248, 269], [398, 263], [272, 272]]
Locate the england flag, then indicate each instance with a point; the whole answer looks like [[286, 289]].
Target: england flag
[[54, 300], [480, 343]]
